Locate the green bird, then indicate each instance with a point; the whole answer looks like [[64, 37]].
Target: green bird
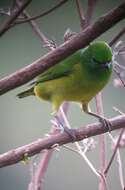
[[78, 78]]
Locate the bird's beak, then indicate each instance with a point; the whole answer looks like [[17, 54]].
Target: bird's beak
[[106, 65]]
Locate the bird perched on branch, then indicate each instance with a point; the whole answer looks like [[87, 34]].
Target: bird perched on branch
[[77, 78]]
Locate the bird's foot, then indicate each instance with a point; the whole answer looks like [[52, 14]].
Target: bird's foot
[[70, 132], [106, 123]]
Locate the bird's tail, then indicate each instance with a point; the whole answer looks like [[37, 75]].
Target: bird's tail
[[26, 93]]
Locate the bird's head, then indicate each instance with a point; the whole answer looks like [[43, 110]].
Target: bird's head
[[100, 55]]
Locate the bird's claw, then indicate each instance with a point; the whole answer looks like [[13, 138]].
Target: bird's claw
[[70, 132], [106, 123]]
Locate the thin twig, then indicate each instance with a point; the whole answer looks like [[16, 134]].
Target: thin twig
[[59, 4], [79, 148], [116, 147], [82, 153], [90, 10], [38, 178], [46, 156], [32, 174], [116, 38], [119, 76], [111, 43], [36, 29], [120, 66], [81, 14], [6, 25], [119, 163], [13, 5], [71, 149], [115, 150], [99, 108], [118, 155], [42, 168], [120, 169]]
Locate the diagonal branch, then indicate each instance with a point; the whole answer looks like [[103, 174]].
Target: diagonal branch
[[14, 156], [90, 10], [42, 14], [37, 30], [99, 108], [114, 153], [81, 14], [6, 25], [116, 38], [79, 41], [116, 146]]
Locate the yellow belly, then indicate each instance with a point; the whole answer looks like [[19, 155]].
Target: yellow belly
[[74, 87]]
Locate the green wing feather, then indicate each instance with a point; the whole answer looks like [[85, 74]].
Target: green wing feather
[[60, 70], [53, 73], [63, 69], [28, 92]]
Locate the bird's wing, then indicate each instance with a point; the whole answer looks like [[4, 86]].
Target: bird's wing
[[63, 69]]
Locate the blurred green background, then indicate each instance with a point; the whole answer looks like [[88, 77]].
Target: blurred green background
[[23, 121]]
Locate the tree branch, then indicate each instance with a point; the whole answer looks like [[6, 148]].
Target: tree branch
[[102, 148], [37, 30], [81, 14], [79, 41], [42, 14], [16, 155], [114, 153], [90, 10], [6, 25], [115, 39]]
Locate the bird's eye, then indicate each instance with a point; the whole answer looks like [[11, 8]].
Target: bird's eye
[[101, 63], [106, 64], [96, 61]]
